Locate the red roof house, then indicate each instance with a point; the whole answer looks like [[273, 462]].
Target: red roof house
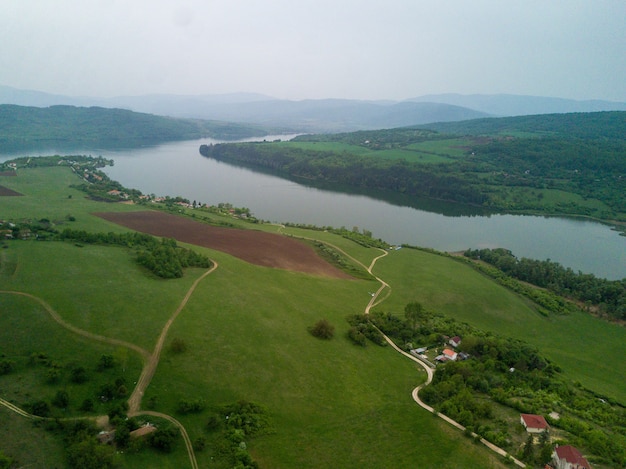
[[568, 457], [449, 354], [534, 423], [455, 341]]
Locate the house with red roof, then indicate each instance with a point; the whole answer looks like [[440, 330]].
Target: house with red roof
[[455, 341], [534, 423], [568, 457]]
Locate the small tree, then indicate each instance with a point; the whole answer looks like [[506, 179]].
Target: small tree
[[414, 313], [178, 346], [322, 329]]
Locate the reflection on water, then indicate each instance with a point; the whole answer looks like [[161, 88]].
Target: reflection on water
[[179, 169]]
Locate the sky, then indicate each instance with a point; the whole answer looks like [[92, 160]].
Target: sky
[[313, 49]]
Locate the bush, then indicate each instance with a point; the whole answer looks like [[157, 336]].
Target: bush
[[178, 346], [188, 406], [163, 439], [6, 366], [322, 329]]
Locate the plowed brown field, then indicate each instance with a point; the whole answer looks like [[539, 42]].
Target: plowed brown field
[[256, 247]]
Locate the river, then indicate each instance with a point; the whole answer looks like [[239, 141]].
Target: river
[[179, 169]]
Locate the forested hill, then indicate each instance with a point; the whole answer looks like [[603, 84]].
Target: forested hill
[[26, 128], [570, 164], [587, 125]]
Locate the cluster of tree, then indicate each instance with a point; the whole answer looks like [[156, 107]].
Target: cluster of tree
[[162, 257], [512, 373], [234, 424], [191, 406], [609, 296], [108, 388], [414, 179], [362, 329], [23, 128]]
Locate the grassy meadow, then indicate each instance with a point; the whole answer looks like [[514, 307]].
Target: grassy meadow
[[330, 403]]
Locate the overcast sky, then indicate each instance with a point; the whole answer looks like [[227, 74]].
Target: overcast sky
[[299, 49]]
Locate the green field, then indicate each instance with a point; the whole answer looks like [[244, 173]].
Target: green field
[[330, 403]]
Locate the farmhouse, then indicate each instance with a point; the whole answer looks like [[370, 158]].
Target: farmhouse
[[455, 341], [447, 354], [568, 457], [534, 423]]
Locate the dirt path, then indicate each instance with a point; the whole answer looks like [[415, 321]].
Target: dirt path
[[151, 361], [134, 402], [89, 335], [183, 432], [429, 371]]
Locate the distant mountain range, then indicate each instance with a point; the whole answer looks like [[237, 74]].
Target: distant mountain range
[[326, 115]]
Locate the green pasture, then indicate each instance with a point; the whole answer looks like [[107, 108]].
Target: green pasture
[[577, 342], [450, 147], [550, 200], [100, 289], [46, 194], [332, 404], [420, 153]]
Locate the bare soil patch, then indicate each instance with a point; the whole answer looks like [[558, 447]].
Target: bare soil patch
[[6, 192], [255, 247]]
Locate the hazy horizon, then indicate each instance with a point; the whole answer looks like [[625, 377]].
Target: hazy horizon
[[570, 49]]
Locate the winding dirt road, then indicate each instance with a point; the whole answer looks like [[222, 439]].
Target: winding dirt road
[[151, 360]]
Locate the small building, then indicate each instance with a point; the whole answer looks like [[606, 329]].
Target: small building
[[449, 354], [455, 341], [106, 438], [534, 423], [568, 457]]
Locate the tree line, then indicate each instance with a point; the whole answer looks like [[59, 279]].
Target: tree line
[[608, 296], [434, 181]]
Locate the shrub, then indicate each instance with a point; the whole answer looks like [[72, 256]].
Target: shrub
[[322, 329], [6, 366], [178, 346]]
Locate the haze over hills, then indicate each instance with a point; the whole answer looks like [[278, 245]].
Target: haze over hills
[[322, 115], [507, 105]]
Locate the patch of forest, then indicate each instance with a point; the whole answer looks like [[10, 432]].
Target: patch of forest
[[557, 164], [495, 379], [607, 297], [24, 128]]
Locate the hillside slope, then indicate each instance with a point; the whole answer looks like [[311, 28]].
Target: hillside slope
[[75, 127]]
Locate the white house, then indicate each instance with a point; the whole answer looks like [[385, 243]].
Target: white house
[[455, 341], [534, 423]]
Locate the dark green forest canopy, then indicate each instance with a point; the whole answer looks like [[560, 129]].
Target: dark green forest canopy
[[572, 164], [24, 128]]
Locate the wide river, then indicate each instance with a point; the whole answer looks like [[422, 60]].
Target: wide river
[[179, 169]]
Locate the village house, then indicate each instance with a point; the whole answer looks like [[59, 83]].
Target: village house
[[568, 457], [455, 341], [534, 423], [447, 354]]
